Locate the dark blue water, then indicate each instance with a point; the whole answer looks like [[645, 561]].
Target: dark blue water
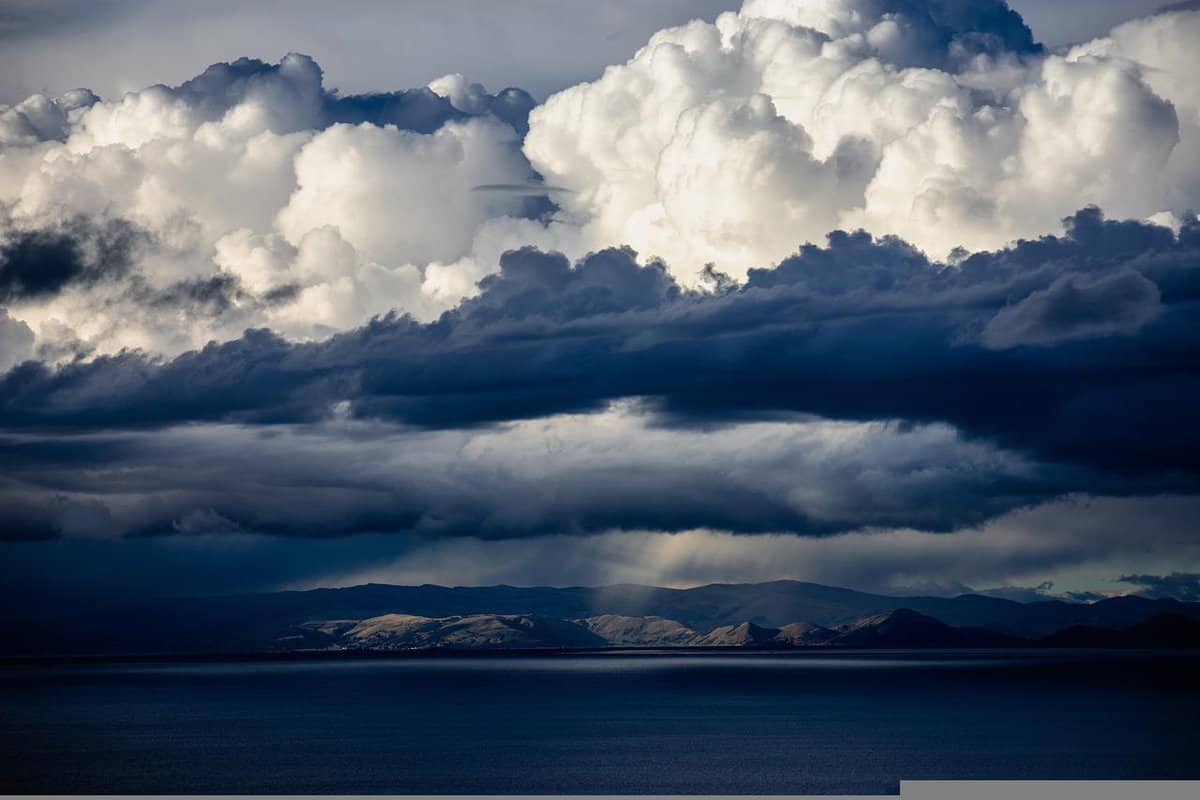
[[737, 723]]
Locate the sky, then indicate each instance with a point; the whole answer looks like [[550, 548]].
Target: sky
[[892, 294], [543, 46]]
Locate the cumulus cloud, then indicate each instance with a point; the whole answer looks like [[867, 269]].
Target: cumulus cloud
[[1158, 46], [256, 175], [941, 122], [400, 197]]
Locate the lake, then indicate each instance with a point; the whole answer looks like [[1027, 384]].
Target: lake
[[800, 723]]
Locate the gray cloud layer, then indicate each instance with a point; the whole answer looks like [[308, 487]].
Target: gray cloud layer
[[1181, 585], [1073, 544], [560, 475]]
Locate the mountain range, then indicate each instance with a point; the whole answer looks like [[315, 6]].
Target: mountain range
[[776, 614]]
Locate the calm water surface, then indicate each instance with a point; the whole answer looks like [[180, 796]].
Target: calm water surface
[[691, 723]]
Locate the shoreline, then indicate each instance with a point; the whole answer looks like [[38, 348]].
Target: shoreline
[[601, 652]]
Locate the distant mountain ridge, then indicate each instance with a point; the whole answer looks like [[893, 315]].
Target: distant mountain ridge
[[798, 613], [902, 628]]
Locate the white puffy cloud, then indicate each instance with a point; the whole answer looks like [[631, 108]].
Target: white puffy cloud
[[265, 200], [1164, 49], [401, 197], [735, 141]]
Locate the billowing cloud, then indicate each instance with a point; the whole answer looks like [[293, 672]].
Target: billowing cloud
[[400, 197], [318, 210], [941, 122], [1159, 47]]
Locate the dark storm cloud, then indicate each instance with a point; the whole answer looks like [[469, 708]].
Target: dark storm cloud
[[389, 427], [40, 263], [1076, 307], [1180, 585], [1057, 541], [861, 329]]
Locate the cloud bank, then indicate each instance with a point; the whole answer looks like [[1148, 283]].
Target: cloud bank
[[1078, 545], [852, 386], [1035, 347], [1182, 585], [885, 267]]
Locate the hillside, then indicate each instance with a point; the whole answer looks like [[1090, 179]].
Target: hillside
[[473, 632], [906, 628], [1164, 630], [615, 629]]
